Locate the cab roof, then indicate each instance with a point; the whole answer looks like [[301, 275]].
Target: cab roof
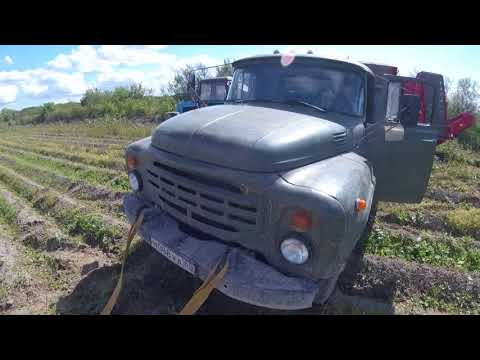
[[300, 57]]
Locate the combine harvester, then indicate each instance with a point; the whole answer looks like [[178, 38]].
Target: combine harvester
[[279, 186]]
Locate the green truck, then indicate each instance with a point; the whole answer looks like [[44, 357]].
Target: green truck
[[284, 178]]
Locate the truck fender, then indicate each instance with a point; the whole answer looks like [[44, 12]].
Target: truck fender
[[345, 178]]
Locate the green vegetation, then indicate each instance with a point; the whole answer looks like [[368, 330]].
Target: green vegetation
[[465, 222], [36, 167], [119, 131], [3, 291], [91, 227], [8, 214], [470, 138], [440, 250], [458, 303], [131, 102], [113, 161], [48, 268], [121, 103]]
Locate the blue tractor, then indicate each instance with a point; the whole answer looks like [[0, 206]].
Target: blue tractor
[[212, 91]]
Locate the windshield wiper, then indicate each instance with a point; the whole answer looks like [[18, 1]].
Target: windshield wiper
[[295, 102], [305, 104], [251, 100]]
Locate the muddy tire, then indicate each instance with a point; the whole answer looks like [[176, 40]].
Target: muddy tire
[[359, 248], [357, 255]]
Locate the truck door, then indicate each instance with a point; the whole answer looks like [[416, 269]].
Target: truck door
[[409, 148]]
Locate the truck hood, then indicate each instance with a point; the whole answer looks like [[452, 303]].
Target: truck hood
[[250, 138]]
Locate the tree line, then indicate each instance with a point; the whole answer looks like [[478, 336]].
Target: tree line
[[130, 102]]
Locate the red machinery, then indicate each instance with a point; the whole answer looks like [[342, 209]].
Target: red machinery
[[454, 126]]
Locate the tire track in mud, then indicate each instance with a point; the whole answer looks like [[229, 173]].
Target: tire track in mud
[[153, 285], [65, 262]]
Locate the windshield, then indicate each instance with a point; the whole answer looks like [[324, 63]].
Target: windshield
[[215, 91], [334, 90]]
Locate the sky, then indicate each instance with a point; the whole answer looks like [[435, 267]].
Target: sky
[[31, 75]]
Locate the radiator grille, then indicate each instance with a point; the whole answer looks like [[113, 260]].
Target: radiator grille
[[214, 206]]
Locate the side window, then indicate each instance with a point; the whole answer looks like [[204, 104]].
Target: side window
[[393, 101], [220, 92], [205, 91], [238, 89], [248, 86]]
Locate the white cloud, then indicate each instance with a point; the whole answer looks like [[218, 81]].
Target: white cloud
[[156, 78], [62, 61], [34, 88], [42, 82], [83, 59], [8, 60], [87, 58], [8, 93], [106, 67]]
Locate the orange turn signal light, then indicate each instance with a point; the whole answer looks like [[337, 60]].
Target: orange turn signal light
[[360, 204], [132, 162], [301, 221]]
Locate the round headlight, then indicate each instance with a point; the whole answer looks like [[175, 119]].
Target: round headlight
[[134, 181], [294, 251]]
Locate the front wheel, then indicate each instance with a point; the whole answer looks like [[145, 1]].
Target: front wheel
[[359, 249], [357, 253]]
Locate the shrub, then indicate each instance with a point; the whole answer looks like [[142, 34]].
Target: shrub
[[120, 103]]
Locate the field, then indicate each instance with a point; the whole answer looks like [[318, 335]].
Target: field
[[62, 231]]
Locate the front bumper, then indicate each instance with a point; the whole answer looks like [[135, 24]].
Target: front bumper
[[247, 279]]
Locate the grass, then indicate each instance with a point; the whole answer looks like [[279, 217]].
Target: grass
[[92, 229], [96, 129], [461, 303], [48, 268], [3, 292], [465, 222], [15, 184], [103, 161], [443, 251], [471, 137], [8, 214], [33, 166]]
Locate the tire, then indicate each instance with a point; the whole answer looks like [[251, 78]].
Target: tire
[[357, 254], [359, 248]]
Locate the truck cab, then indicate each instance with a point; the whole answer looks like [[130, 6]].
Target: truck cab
[[283, 179], [212, 91]]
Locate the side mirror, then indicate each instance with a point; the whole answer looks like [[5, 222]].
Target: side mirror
[[410, 107], [227, 87]]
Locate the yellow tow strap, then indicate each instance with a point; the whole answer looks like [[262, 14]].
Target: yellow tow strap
[[107, 310], [199, 296], [203, 292]]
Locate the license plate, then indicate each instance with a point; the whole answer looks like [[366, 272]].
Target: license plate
[[170, 255]]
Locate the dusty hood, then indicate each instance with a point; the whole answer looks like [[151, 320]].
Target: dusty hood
[[250, 138]]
